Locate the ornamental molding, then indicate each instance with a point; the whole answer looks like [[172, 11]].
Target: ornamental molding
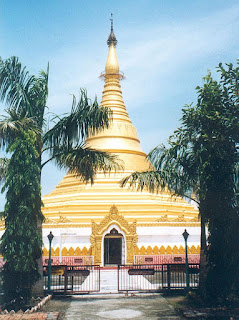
[[98, 230], [48, 221], [163, 218], [180, 218], [63, 220], [66, 225], [60, 220], [169, 224], [113, 217]]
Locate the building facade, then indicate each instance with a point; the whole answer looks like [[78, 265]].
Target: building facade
[[106, 224]]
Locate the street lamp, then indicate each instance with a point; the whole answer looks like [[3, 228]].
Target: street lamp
[[185, 235], [50, 237]]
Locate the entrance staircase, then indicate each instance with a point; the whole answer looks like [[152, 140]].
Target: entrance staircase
[[109, 280]]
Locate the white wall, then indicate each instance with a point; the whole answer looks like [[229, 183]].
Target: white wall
[[147, 236], [164, 236]]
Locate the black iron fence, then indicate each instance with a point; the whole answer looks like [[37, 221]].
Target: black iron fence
[[156, 277], [73, 279], [142, 278]]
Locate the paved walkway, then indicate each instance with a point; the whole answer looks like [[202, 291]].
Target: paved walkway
[[109, 282], [113, 307]]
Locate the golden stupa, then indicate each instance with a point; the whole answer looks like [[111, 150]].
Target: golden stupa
[[84, 215]]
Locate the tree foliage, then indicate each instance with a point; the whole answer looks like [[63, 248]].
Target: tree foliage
[[25, 135], [202, 162], [21, 242]]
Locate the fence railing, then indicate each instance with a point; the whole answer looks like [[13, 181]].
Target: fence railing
[[156, 277], [73, 279], [166, 258], [70, 260]]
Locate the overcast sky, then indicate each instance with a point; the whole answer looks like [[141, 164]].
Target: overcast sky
[[164, 49]]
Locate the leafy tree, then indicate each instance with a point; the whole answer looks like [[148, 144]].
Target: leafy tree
[[202, 160], [3, 166], [21, 243], [25, 96]]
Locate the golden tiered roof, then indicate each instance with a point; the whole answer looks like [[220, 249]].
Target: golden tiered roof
[[75, 204]]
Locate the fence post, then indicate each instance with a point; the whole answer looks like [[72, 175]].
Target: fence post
[[118, 275], [66, 280], [168, 275]]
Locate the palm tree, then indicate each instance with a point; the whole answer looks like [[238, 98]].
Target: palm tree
[[175, 169], [25, 97]]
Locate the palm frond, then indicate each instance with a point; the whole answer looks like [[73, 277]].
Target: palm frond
[[85, 162], [85, 118], [150, 180], [22, 92], [38, 95], [15, 84], [171, 172], [12, 124]]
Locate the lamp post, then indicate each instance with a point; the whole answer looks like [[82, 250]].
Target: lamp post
[[50, 237], [185, 235]]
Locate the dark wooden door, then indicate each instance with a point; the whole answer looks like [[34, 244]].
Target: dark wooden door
[[113, 250]]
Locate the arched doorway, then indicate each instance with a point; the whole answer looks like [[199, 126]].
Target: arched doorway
[[118, 222], [113, 247]]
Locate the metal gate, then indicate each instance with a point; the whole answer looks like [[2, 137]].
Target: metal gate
[[156, 277], [73, 279], [141, 278]]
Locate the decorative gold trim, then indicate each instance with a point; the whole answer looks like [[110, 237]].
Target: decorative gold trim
[[112, 136], [63, 220], [168, 224], [180, 218], [139, 224], [163, 218], [139, 153], [164, 250], [113, 218], [66, 225]]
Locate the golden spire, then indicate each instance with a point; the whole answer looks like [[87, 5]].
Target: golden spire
[[112, 94], [121, 137], [112, 64]]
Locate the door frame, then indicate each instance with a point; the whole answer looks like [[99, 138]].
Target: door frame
[[124, 247]]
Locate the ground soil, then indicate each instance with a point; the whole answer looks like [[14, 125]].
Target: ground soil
[[182, 304], [57, 304], [177, 301]]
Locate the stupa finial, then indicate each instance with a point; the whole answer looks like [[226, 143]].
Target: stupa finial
[[111, 19], [112, 37]]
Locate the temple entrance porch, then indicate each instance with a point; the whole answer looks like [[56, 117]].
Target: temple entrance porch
[[113, 240]]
